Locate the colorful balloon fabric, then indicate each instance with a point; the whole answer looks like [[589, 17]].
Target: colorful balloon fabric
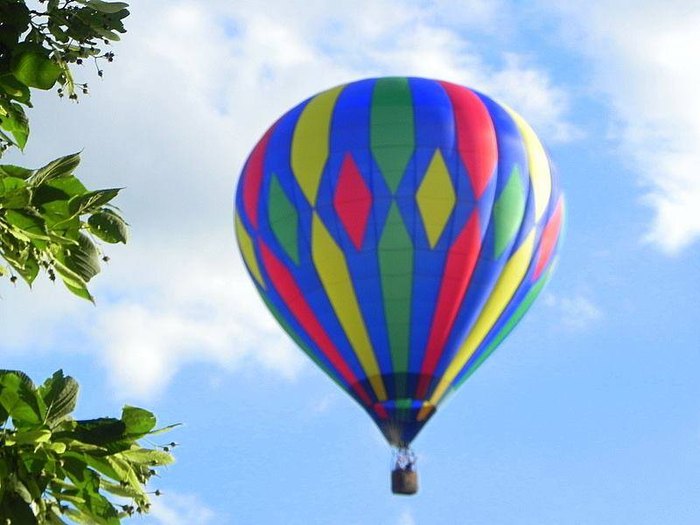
[[398, 229]]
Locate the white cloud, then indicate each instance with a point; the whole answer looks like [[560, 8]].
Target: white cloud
[[325, 404], [406, 518], [577, 312], [179, 109], [208, 313], [181, 509], [645, 58]]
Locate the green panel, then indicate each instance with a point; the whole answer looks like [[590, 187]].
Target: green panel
[[392, 128], [396, 266], [508, 327], [508, 212], [284, 219]]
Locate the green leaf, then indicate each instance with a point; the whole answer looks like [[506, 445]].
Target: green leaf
[[69, 185], [70, 498], [9, 170], [35, 69], [126, 471], [100, 431], [31, 225], [24, 379], [91, 200], [20, 401], [60, 394], [80, 290], [14, 120], [101, 507], [83, 478], [14, 88], [58, 448], [108, 226], [82, 259], [61, 167], [105, 7], [101, 464], [29, 437], [35, 461], [78, 516], [68, 276], [137, 420], [148, 457], [28, 269], [125, 491], [14, 193], [165, 429]]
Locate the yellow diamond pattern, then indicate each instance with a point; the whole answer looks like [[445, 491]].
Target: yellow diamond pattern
[[436, 198]]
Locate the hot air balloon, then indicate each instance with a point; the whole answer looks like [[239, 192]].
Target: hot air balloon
[[398, 229]]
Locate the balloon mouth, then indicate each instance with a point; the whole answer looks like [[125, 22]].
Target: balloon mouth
[[400, 420]]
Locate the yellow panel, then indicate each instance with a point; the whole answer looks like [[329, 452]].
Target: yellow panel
[[333, 272], [436, 198], [501, 295], [246, 245], [538, 165], [311, 140], [425, 411]]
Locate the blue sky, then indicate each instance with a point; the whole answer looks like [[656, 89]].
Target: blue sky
[[587, 414]]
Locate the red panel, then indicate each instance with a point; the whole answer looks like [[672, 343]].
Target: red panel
[[549, 238], [380, 411], [476, 137], [253, 175], [352, 200], [283, 282], [459, 267]]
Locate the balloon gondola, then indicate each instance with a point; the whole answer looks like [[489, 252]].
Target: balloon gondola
[[398, 229]]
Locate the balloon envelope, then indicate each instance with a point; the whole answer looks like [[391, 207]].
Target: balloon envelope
[[398, 229]]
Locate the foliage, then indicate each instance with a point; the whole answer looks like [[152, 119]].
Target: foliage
[[38, 46], [48, 219], [56, 470], [42, 223]]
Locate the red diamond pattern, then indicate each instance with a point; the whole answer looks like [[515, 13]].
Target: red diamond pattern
[[352, 200]]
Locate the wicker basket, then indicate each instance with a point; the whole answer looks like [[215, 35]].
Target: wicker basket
[[404, 481]]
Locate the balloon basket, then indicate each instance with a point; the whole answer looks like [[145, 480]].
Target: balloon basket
[[404, 478], [404, 481]]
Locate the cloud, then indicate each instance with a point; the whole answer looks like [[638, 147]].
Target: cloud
[[645, 61], [181, 509], [406, 518], [575, 313], [179, 109], [208, 314], [325, 404]]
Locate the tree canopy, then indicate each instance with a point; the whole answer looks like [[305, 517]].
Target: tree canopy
[[53, 467], [49, 220]]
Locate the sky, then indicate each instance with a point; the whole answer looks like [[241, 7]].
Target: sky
[[589, 413]]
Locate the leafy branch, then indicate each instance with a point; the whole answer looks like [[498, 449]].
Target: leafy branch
[[38, 48], [54, 468], [48, 219]]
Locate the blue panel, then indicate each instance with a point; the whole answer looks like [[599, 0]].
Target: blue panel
[[277, 160], [511, 152]]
